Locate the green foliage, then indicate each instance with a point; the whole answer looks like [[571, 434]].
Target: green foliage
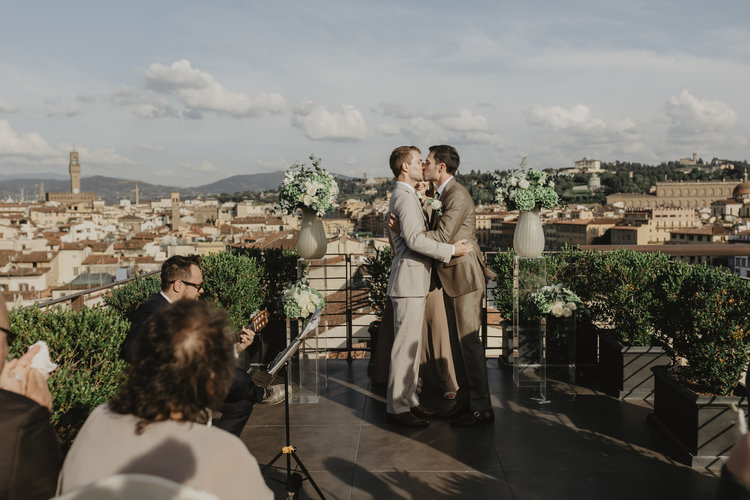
[[704, 314], [126, 299], [86, 345], [622, 283], [233, 282], [279, 268], [697, 313], [379, 269]]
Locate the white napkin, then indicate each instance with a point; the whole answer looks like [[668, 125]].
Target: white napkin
[[41, 360]]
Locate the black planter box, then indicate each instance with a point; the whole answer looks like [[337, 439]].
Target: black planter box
[[626, 370], [702, 428]]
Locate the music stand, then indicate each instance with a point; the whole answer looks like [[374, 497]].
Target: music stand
[[293, 481]]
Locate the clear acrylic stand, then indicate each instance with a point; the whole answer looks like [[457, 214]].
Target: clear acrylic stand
[[529, 333]]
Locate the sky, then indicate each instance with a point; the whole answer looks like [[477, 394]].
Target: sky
[[186, 93]]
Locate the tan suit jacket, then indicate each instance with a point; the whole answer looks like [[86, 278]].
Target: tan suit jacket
[[467, 273], [413, 251]]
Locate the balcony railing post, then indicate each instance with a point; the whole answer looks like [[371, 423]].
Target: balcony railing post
[[77, 303], [349, 318]]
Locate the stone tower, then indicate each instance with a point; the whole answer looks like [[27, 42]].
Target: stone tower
[[75, 173], [175, 210]]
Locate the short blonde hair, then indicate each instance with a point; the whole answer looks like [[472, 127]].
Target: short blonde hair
[[401, 155]]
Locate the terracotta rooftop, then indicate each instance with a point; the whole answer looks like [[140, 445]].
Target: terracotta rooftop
[[99, 259]]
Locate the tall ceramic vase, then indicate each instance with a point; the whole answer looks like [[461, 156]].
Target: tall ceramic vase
[[528, 238], [312, 242]]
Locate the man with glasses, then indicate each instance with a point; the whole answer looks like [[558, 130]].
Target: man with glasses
[[181, 278]]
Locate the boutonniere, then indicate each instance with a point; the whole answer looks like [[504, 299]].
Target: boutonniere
[[435, 204]]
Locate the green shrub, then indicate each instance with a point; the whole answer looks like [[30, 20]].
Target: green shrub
[[126, 299], [233, 282], [379, 269], [622, 285], [279, 267], [705, 317], [86, 346]]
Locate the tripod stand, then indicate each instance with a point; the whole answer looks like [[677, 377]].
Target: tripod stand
[[293, 480]]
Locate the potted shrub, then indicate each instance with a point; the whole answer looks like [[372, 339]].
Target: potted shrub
[[379, 269], [622, 284], [705, 319], [86, 346]]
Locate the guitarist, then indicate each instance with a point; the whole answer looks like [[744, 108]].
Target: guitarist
[[181, 278]]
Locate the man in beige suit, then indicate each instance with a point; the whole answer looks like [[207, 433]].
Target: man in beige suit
[[408, 284], [463, 280]]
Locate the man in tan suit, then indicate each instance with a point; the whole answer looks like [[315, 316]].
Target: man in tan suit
[[463, 280], [408, 285]]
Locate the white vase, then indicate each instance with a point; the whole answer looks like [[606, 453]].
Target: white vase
[[312, 241], [528, 238]]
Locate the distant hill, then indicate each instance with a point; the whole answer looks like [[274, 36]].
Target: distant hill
[[111, 189]]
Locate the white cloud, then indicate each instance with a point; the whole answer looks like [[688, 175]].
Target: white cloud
[[200, 91], [691, 116], [388, 129], [6, 107], [30, 145], [395, 110], [465, 121], [149, 147], [68, 111], [31, 148], [320, 124], [206, 166], [103, 157], [577, 119]]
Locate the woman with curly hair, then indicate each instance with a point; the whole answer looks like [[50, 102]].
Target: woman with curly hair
[[160, 422]]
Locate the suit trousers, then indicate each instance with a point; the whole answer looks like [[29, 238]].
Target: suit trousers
[[464, 322], [408, 319], [239, 403]]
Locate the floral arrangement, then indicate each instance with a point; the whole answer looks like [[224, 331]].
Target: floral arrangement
[[556, 300], [300, 300], [435, 204], [306, 187], [525, 189]]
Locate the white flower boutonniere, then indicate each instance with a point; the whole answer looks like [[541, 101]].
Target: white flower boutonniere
[[435, 204]]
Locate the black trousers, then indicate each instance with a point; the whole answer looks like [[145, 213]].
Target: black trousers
[[239, 403]]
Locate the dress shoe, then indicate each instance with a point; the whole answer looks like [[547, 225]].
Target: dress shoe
[[422, 412], [407, 419], [458, 409], [474, 419]]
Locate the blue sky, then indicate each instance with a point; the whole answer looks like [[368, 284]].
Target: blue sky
[[185, 93]]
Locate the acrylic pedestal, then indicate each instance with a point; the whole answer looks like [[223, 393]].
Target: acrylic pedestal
[[529, 339]]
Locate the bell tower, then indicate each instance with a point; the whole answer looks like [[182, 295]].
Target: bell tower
[[75, 173]]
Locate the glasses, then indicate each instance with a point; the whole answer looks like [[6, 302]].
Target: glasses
[[11, 335], [197, 286]]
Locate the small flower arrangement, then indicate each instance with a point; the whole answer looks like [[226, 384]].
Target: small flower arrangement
[[525, 189], [306, 187], [300, 300], [435, 204], [556, 300]]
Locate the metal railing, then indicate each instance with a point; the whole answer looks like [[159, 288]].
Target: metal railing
[[343, 281]]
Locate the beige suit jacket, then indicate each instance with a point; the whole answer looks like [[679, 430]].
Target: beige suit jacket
[[467, 273], [413, 251]]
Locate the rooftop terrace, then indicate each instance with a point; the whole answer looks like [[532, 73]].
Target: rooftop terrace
[[583, 444]]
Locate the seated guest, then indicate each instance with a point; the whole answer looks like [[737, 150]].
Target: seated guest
[[160, 422], [181, 278], [30, 455]]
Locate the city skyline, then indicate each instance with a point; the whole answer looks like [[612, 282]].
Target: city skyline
[[187, 94]]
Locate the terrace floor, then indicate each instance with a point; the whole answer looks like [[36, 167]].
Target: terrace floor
[[583, 444]]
